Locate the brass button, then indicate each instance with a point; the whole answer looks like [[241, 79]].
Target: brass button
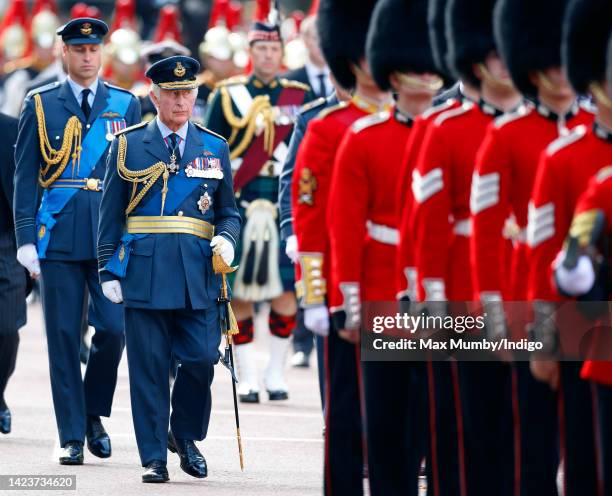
[[92, 184], [180, 213]]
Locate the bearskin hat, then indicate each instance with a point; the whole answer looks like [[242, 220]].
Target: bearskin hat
[[528, 36], [398, 40], [343, 27], [586, 29], [436, 21], [469, 33]]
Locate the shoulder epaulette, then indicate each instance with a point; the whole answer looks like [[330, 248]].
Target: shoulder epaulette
[[131, 128], [449, 114], [330, 110], [233, 80], [369, 121], [437, 108], [587, 106], [43, 88], [575, 134], [603, 174], [312, 104], [119, 88], [288, 83], [519, 113], [206, 130]]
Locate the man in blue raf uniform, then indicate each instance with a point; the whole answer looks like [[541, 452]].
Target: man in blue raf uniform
[[64, 133], [168, 201]]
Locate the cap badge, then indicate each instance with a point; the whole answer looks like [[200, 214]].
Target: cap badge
[[86, 29], [179, 70]]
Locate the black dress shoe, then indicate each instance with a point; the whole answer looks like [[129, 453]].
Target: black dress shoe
[[278, 395], [98, 441], [250, 397], [72, 453], [156, 471], [192, 461], [5, 421]]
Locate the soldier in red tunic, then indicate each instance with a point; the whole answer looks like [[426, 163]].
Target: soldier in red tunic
[[342, 30], [562, 176], [441, 186], [364, 237], [501, 188]]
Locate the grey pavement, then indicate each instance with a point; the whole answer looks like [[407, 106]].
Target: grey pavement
[[282, 440]]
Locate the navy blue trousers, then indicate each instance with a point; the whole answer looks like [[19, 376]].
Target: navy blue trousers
[[154, 337], [63, 286]]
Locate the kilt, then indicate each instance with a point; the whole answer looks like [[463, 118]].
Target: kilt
[[264, 188]]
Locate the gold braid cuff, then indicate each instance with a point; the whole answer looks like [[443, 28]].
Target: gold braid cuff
[[71, 146], [262, 110], [146, 177], [312, 288]]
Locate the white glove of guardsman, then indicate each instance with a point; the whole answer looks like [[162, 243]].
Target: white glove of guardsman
[[224, 248], [316, 319], [28, 257], [112, 291]]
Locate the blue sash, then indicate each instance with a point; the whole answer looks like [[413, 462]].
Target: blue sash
[[94, 146], [179, 188]]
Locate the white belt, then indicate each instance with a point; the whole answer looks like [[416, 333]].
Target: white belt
[[382, 233], [463, 227]]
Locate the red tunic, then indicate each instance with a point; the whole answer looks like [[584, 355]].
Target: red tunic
[[562, 176], [310, 193], [599, 197], [362, 213], [405, 267], [501, 189], [441, 186]]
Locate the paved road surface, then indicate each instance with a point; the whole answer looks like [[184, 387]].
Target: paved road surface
[[282, 440]]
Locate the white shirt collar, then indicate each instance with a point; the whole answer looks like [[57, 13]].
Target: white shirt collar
[[166, 131], [77, 88], [313, 71]]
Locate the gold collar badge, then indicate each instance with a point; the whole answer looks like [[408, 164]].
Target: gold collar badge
[[86, 29], [179, 70]]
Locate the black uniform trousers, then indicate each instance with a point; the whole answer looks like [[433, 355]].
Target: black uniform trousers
[[154, 337], [539, 434], [344, 436], [9, 343], [604, 414], [578, 449], [445, 442], [74, 397], [486, 390], [396, 425]]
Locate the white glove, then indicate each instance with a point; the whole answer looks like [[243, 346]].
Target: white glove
[[291, 248], [28, 257], [316, 319], [112, 291], [576, 281], [224, 248]]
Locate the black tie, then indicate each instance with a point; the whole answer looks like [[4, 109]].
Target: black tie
[[85, 103], [173, 146], [322, 89]]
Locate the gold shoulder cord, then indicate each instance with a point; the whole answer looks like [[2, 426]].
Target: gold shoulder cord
[[260, 107], [146, 176], [71, 146]]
